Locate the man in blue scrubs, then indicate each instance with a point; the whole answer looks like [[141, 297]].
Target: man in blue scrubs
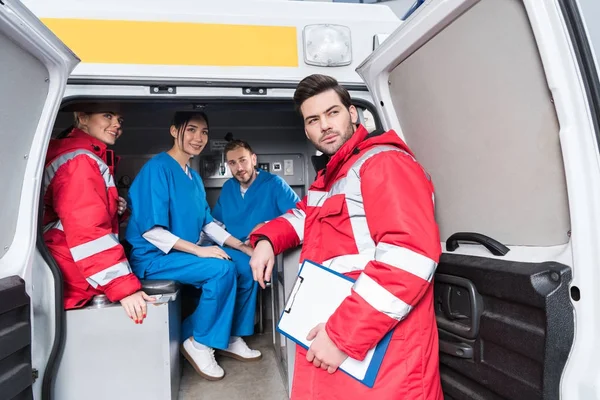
[[252, 196]]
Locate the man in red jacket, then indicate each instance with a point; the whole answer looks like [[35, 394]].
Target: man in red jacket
[[81, 214], [369, 215]]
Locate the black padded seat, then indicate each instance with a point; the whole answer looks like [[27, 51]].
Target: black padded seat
[[159, 286]]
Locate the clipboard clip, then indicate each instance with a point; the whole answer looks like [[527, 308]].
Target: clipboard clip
[[288, 306]]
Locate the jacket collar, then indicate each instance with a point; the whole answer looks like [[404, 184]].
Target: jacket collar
[[324, 162], [97, 146], [359, 142], [348, 149]]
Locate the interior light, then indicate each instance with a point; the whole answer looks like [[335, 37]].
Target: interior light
[[327, 45]]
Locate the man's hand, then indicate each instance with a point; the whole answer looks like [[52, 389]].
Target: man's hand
[[121, 205], [323, 353], [262, 262]]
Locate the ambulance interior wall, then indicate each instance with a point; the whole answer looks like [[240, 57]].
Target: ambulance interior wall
[[274, 131], [490, 130]]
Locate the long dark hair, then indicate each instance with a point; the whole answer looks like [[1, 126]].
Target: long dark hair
[[181, 119]]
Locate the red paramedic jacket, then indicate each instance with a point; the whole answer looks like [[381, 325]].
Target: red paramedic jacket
[[81, 224], [370, 215]]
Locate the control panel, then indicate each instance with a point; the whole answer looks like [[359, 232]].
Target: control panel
[[289, 166]]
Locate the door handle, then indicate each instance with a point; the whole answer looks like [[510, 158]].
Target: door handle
[[447, 309], [458, 306], [461, 350]]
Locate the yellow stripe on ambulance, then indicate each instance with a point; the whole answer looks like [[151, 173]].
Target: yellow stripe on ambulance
[[177, 43]]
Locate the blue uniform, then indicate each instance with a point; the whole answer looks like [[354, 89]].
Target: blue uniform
[[268, 197], [162, 194]]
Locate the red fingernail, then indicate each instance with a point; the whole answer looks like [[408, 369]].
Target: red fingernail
[[144, 315]]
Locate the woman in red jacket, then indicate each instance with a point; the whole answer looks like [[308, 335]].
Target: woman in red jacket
[[81, 214]]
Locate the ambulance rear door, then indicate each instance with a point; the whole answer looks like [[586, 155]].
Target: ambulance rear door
[[34, 67], [499, 101]]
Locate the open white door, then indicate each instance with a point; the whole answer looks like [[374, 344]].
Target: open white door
[[34, 67], [490, 97]]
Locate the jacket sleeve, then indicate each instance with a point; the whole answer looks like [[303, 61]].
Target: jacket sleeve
[[81, 202], [398, 204], [284, 232]]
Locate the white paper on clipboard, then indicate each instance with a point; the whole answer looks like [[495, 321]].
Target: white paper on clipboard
[[317, 293]]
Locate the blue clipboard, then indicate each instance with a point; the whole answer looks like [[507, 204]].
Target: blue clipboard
[[304, 310]]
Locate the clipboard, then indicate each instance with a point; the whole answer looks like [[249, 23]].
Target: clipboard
[[317, 293]]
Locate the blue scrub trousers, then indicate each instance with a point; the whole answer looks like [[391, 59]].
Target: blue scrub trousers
[[247, 292], [228, 300]]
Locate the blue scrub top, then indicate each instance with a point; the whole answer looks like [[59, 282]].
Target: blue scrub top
[[162, 194], [268, 197]]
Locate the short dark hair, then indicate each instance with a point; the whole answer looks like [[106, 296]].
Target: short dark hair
[[316, 84], [236, 144]]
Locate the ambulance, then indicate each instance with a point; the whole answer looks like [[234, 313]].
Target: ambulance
[[499, 100]]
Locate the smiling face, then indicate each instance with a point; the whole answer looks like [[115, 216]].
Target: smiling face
[[106, 126], [193, 138], [327, 122]]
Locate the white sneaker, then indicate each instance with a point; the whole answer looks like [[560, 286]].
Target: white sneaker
[[203, 361], [240, 351]]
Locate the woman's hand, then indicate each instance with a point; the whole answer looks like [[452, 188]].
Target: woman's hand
[[237, 244], [246, 249], [135, 306], [121, 205], [211, 252]]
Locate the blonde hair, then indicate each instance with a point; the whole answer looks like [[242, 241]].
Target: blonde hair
[[76, 123]]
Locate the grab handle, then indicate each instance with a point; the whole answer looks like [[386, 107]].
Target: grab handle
[[495, 247]]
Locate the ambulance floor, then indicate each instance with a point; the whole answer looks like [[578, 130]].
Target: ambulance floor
[[242, 381]]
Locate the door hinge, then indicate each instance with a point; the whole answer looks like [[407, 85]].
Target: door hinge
[[35, 374], [261, 91], [163, 89]]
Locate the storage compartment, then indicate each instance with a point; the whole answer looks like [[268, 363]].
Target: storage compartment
[[107, 356]]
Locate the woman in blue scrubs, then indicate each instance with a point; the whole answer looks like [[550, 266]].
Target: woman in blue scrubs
[[169, 212]]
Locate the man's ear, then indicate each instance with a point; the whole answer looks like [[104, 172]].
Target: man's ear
[[254, 160], [353, 114]]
